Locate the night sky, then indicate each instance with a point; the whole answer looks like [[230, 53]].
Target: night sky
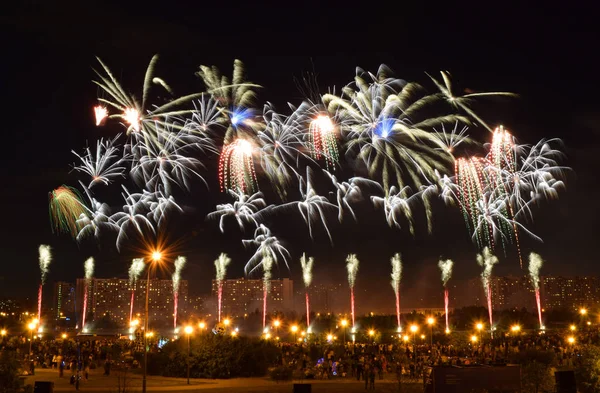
[[548, 56]]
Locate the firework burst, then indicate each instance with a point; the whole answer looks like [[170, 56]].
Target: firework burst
[[307, 265], [236, 167], [267, 265], [179, 264], [245, 210], [266, 245], [323, 140], [66, 206], [446, 268], [535, 264], [105, 166]]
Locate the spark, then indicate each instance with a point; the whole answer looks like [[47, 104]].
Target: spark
[[131, 217], [136, 269], [535, 264], [307, 265], [89, 268], [487, 260], [132, 117], [446, 268], [176, 278], [352, 268], [221, 269], [397, 204], [101, 114], [45, 257]]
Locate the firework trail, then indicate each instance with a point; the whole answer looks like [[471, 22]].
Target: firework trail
[[487, 260], [45, 257], [396, 277], [105, 165], [446, 268], [221, 268], [535, 264], [236, 167], [88, 267], [135, 270], [352, 267], [179, 263], [245, 210], [66, 207], [267, 265], [307, 265]]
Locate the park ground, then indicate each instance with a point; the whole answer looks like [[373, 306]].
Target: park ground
[[98, 382]]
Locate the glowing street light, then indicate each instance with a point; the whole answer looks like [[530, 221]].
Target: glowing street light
[[406, 338], [583, 311], [330, 337], [573, 328], [202, 325], [344, 323], [571, 340], [3, 332], [64, 336], [294, 329], [515, 328], [226, 322], [31, 326], [371, 332], [473, 338]]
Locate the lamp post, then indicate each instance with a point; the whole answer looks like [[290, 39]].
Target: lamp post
[[276, 324], [156, 257], [372, 334], [430, 322], [31, 326], [414, 329], [188, 332], [344, 324], [479, 327]]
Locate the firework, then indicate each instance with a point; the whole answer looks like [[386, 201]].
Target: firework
[[463, 101], [179, 263], [397, 204], [234, 95], [66, 207], [101, 114], [236, 167], [267, 264], [385, 129], [138, 116], [89, 273], [396, 277], [135, 270], [165, 159], [266, 244], [45, 257], [132, 217], [352, 268], [160, 205], [535, 264], [281, 148], [487, 260], [323, 140], [307, 265], [105, 166], [311, 205], [221, 268], [446, 268], [245, 210]]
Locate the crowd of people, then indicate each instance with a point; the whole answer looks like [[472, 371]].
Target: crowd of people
[[322, 360]]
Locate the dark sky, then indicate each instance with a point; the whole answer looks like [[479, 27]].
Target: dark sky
[[546, 55]]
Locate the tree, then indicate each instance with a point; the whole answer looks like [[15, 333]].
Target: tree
[[536, 370], [587, 369]]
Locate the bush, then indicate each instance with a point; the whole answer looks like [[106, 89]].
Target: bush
[[214, 356], [9, 372], [281, 373]]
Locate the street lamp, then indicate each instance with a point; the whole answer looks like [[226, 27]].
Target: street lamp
[[572, 327], [156, 257], [515, 328], [330, 337], [3, 333], [31, 326], [64, 336], [431, 322], [202, 325], [473, 339], [188, 332], [414, 329], [571, 340], [371, 333], [583, 311], [294, 329], [344, 323], [276, 324]]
